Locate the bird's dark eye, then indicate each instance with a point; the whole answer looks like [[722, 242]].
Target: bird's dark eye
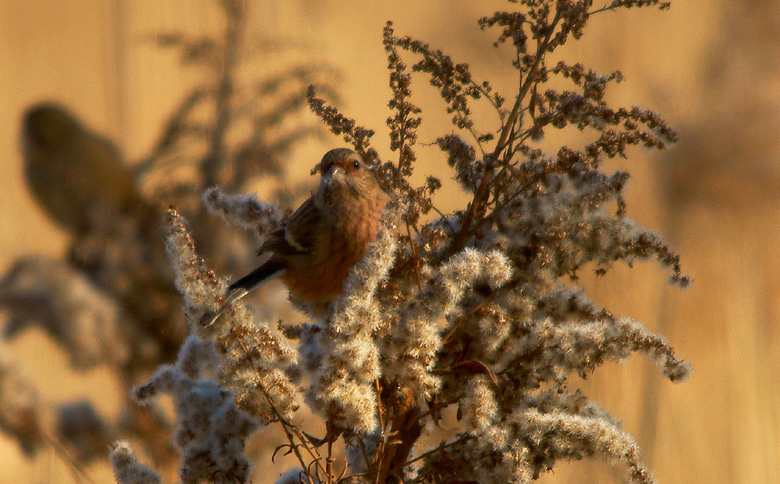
[[356, 165]]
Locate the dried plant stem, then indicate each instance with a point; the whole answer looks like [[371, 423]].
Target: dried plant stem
[[329, 433], [504, 139], [76, 470], [397, 444], [233, 34], [290, 430], [445, 445]]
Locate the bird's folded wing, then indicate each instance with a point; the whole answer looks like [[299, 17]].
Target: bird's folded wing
[[298, 234]]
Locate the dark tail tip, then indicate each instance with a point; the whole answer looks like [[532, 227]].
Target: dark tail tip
[[265, 272]]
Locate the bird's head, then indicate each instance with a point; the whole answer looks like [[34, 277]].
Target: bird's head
[[347, 179], [48, 126]]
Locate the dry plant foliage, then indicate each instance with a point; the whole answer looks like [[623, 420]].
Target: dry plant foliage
[[475, 312]]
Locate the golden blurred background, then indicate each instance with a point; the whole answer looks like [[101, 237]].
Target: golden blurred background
[[710, 67]]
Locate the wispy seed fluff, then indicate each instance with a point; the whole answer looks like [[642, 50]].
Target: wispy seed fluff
[[244, 211], [200, 287], [210, 429], [21, 411], [257, 358], [582, 346], [566, 435], [415, 338], [71, 308], [349, 357], [127, 469], [478, 406], [542, 429]]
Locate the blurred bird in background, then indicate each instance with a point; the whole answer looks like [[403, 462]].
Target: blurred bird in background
[[81, 180], [317, 245], [71, 170]]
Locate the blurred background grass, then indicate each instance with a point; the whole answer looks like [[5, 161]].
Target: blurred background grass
[[709, 67]]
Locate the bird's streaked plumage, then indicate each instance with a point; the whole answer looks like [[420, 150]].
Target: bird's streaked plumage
[[317, 245]]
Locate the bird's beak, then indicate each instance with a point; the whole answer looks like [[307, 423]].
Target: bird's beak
[[335, 172]]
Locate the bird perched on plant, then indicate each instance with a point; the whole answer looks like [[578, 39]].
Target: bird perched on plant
[[71, 170], [317, 245]]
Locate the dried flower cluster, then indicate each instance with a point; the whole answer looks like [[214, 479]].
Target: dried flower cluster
[[258, 360], [254, 121], [127, 469], [210, 429], [20, 406]]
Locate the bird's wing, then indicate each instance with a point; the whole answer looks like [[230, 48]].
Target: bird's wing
[[103, 162], [298, 234]]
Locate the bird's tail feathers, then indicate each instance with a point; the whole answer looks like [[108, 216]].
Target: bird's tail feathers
[[236, 291], [232, 297], [264, 273]]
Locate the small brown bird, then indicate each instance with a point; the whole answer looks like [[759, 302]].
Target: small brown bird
[[70, 170], [317, 245]]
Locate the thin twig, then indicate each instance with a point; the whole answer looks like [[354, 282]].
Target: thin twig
[[289, 428], [416, 256], [506, 133], [380, 447], [460, 439], [463, 318], [329, 458], [79, 475], [234, 32]]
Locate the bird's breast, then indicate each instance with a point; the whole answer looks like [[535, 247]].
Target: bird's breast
[[342, 240]]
